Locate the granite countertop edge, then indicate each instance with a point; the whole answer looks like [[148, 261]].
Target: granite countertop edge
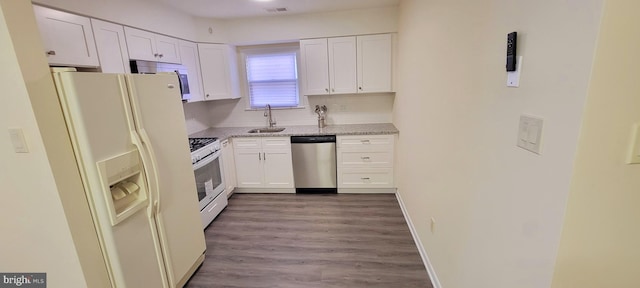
[[224, 133]]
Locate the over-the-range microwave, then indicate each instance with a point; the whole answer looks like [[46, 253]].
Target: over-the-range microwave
[[148, 67]]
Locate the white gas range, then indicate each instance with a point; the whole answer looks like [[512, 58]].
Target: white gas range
[[207, 169]]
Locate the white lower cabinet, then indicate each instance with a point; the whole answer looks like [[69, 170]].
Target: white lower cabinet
[[263, 163], [228, 166], [365, 162]]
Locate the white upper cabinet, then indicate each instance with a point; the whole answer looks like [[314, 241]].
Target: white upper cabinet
[[143, 45], [374, 63], [314, 68], [112, 47], [168, 49], [191, 61], [347, 65], [219, 70], [67, 38], [342, 65]]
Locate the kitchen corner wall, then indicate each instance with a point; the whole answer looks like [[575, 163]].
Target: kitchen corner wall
[[46, 223], [498, 209], [599, 246], [342, 109]]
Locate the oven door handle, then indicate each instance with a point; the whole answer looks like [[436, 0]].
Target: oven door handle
[[207, 160]]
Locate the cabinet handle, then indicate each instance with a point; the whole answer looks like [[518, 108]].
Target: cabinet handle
[[264, 156], [365, 158], [360, 88], [365, 141], [365, 178], [259, 156], [207, 95], [161, 55], [326, 89], [155, 55], [51, 52]]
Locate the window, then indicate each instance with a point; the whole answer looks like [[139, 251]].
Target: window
[[272, 77]]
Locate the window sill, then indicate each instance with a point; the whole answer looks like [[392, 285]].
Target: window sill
[[275, 108]]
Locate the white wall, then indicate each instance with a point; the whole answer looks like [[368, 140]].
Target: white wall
[[498, 208], [40, 232], [196, 116], [274, 29], [343, 109], [599, 246], [144, 14]]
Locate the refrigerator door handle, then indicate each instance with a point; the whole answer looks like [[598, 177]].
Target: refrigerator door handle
[[151, 166]]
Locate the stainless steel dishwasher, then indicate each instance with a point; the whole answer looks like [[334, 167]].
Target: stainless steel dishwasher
[[314, 163]]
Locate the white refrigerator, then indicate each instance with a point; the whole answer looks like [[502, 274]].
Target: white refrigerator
[[130, 141]]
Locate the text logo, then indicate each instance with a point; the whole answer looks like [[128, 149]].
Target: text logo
[[23, 280]]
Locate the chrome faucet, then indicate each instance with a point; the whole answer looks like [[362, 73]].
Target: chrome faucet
[[267, 113]]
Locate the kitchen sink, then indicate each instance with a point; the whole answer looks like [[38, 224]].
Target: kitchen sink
[[267, 130]]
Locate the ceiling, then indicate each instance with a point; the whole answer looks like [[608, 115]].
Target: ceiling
[[228, 9]]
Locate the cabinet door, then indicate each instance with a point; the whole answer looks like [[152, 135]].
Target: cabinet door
[[314, 66], [278, 169], [216, 62], [342, 65], [140, 44], [249, 168], [67, 38], [168, 49], [191, 60], [229, 166], [374, 63], [112, 47]]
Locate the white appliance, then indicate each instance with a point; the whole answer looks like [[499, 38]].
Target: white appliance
[[207, 169], [130, 141]]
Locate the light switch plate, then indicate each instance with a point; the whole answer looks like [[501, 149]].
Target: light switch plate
[[634, 147], [530, 133], [513, 78], [17, 139]]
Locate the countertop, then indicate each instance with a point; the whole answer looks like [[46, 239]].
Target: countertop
[[348, 129]]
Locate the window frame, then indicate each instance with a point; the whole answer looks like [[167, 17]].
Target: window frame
[[244, 51]]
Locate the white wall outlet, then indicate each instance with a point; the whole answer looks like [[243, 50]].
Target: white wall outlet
[[530, 133], [513, 77], [634, 147], [432, 225]]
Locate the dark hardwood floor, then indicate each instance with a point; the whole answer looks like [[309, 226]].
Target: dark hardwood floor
[[297, 240]]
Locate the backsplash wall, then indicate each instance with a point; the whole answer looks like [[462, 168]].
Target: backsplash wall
[[342, 109], [196, 115]]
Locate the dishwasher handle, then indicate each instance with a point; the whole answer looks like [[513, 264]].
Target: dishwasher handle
[[314, 139]]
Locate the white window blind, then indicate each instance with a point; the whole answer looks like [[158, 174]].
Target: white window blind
[[272, 79]]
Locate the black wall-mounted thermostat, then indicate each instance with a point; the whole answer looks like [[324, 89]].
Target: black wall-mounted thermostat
[[512, 39]]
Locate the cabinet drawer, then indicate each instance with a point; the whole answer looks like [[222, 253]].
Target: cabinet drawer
[[276, 143], [247, 143], [365, 178], [365, 159], [366, 142]]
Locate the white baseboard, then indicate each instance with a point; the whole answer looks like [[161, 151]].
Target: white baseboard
[[416, 238], [367, 190], [265, 190]]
